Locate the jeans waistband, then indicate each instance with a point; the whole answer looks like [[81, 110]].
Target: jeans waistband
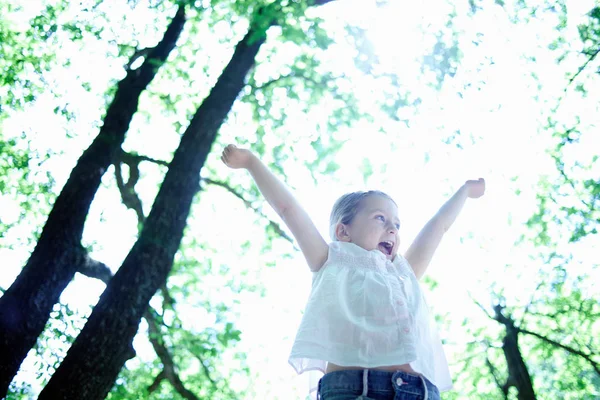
[[364, 381]]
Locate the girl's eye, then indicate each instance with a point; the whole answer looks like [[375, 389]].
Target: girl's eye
[[397, 226], [380, 217]]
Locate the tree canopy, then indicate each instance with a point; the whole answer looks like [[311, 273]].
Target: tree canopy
[[112, 118]]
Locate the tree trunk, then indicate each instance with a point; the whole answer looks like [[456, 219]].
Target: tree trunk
[[518, 375], [26, 305], [93, 362]]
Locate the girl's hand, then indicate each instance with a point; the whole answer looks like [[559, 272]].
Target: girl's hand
[[236, 158], [475, 189]]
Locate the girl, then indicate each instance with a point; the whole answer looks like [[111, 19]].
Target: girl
[[366, 324]]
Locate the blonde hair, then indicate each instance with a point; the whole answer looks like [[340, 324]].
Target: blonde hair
[[346, 207]]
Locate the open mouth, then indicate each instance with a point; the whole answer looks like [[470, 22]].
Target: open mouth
[[386, 247]]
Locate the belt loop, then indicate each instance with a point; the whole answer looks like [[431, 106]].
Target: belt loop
[[426, 392], [365, 383]]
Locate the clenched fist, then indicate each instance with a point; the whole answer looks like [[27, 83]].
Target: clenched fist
[[475, 189], [236, 158]]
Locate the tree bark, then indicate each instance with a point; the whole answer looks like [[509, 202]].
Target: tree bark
[[518, 375], [26, 305], [94, 360]]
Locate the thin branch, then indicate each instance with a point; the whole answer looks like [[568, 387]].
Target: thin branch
[[275, 226], [465, 360], [530, 302], [169, 371], [206, 371], [554, 315], [159, 378], [560, 167], [168, 301], [127, 189], [479, 305], [584, 66], [137, 158], [587, 357], [273, 81], [502, 387], [208, 376], [293, 75], [134, 159]]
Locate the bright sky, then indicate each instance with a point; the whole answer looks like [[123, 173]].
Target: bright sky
[[499, 134]]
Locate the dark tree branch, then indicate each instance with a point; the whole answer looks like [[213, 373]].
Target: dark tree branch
[[587, 357], [584, 66], [137, 158], [127, 189], [134, 203], [94, 269], [168, 301], [156, 383], [554, 315], [273, 81], [206, 371], [232, 394], [133, 160], [518, 375], [513, 330], [291, 75], [503, 387], [169, 371]]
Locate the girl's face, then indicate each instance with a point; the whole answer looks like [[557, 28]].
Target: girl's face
[[374, 227]]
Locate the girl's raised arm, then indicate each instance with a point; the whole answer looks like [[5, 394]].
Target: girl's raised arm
[[421, 251], [310, 241]]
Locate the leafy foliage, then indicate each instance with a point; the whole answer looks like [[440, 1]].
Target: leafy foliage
[[25, 192], [558, 325], [294, 110]]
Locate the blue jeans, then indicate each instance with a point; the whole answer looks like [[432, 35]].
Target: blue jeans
[[375, 385]]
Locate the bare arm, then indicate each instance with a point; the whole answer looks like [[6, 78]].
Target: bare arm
[[421, 251], [311, 243]]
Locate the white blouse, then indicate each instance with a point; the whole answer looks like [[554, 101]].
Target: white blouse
[[367, 311]]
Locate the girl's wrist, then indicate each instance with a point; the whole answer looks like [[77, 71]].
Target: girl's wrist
[[252, 161]]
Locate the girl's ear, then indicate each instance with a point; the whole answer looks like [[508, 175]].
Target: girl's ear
[[341, 232]]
